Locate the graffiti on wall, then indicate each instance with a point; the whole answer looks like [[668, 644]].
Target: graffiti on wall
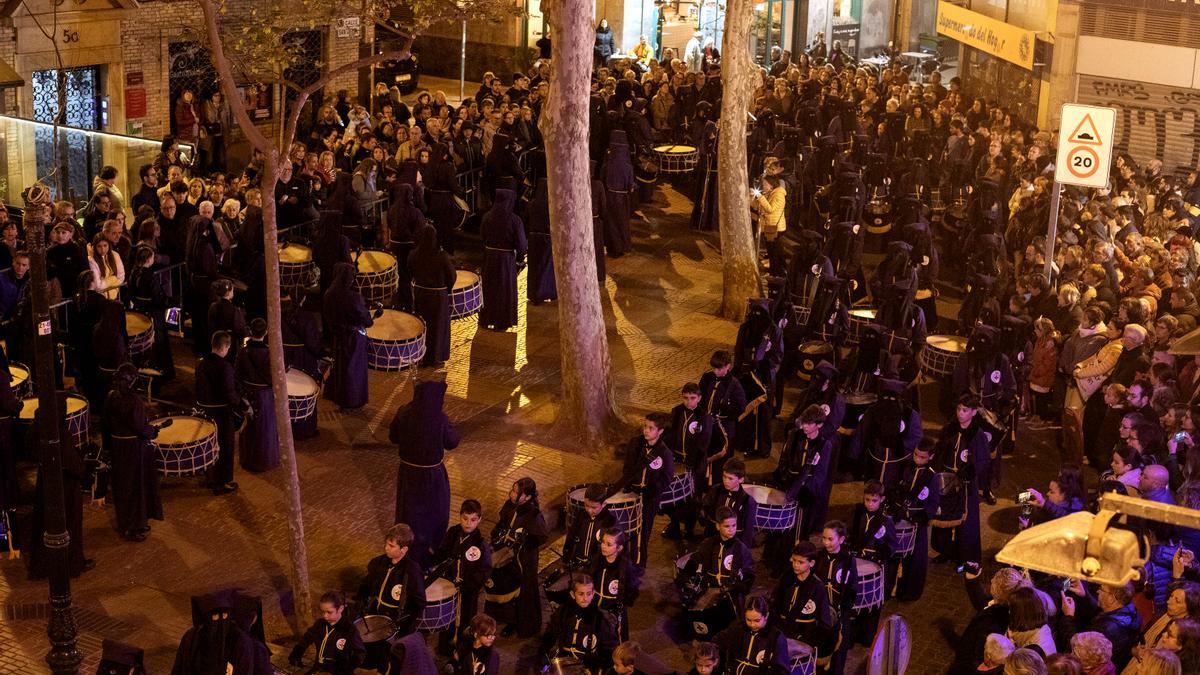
[[1153, 120]]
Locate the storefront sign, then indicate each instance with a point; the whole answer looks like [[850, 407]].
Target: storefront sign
[[134, 78], [847, 34], [997, 38], [135, 103]]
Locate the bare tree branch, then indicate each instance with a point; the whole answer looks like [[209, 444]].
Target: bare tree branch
[[236, 104]]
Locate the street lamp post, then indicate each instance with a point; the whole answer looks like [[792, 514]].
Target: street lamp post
[[64, 656], [462, 66]]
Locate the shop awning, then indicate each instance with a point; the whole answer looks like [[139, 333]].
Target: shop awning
[[9, 77]]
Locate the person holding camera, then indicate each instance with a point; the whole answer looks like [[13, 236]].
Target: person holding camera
[[1063, 497], [769, 203]]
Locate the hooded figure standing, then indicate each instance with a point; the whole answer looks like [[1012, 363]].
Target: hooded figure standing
[[433, 276], [259, 442], [346, 314], [424, 433], [215, 641], [404, 221], [127, 438], [618, 190], [504, 243], [541, 285]]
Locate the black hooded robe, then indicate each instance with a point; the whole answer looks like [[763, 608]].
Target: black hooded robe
[[424, 433], [540, 283], [504, 242], [135, 478], [433, 276], [346, 314], [258, 447], [618, 190]]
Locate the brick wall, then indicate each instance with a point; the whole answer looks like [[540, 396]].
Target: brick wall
[[8, 47], [146, 37]]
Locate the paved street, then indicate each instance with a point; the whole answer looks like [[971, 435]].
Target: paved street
[[660, 303]]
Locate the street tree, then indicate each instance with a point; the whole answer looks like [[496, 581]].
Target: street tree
[[251, 46], [588, 405], [739, 255]]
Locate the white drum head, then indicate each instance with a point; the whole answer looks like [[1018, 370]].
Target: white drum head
[[295, 254], [865, 567], [136, 323], [463, 278], [863, 313], [396, 326], [947, 343], [300, 384], [439, 590], [765, 495], [75, 404], [185, 430], [372, 261]]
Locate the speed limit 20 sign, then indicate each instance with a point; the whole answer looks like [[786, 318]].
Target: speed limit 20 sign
[[1085, 145]]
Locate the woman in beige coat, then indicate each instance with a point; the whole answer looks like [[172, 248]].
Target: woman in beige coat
[[769, 203]]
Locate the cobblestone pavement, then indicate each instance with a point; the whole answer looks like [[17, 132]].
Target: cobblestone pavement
[[661, 302]]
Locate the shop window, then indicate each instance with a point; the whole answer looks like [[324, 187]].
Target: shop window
[[77, 160]]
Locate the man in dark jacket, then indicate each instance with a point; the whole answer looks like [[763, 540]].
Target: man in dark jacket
[[1110, 613]]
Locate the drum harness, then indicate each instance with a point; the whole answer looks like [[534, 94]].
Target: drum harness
[[719, 417]]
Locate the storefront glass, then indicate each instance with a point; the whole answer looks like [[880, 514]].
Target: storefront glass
[[1001, 82]]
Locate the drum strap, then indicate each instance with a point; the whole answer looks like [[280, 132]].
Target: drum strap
[[124, 438], [429, 288], [499, 250]]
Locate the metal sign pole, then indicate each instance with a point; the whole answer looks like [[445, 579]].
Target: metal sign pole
[[1052, 231]]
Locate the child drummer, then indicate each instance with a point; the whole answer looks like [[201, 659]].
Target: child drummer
[[836, 567], [649, 468], [465, 558], [729, 494], [691, 436], [393, 587], [339, 646], [582, 544]]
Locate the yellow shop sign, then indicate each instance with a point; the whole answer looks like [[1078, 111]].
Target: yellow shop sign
[[997, 38]]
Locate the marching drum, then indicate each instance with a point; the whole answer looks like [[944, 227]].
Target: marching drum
[[302, 394], [441, 606], [856, 406], [566, 665], [140, 329], [467, 296], [812, 353], [187, 447], [377, 275], [625, 507], [395, 341], [868, 593], [775, 513], [296, 266], [77, 416], [375, 628], [676, 158], [21, 385], [711, 613], [860, 318], [801, 657], [906, 539], [679, 489], [953, 505], [941, 354]]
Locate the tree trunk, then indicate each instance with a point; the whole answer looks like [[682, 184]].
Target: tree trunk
[[588, 402], [283, 418], [738, 252], [287, 451]]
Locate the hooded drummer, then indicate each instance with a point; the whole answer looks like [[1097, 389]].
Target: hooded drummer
[[757, 355], [822, 390], [886, 435], [987, 374]]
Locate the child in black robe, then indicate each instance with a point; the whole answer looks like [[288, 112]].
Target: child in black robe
[[393, 587], [476, 654], [465, 558], [339, 646], [514, 596]]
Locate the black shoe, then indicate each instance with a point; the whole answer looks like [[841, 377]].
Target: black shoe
[[989, 498], [940, 559], [226, 489], [88, 564], [672, 533]]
